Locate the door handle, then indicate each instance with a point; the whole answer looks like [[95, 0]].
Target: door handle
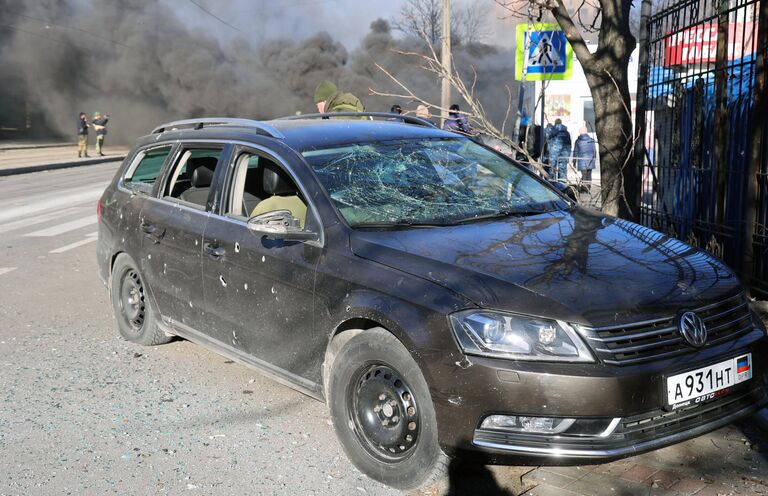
[[152, 231], [213, 250]]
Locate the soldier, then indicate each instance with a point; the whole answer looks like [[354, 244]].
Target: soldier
[[329, 98], [323, 92], [100, 126], [82, 135]]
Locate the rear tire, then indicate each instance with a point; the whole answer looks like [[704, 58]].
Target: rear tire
[[383, 413], [136, 319]]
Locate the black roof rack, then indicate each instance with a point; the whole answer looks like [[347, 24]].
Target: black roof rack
[[262, 127], [408, 119]]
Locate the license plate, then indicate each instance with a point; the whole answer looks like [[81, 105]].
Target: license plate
[[708, 382]]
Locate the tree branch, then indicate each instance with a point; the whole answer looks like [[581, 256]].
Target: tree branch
[[572, 33]]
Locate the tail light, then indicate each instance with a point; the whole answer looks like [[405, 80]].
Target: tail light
[[98, 210]]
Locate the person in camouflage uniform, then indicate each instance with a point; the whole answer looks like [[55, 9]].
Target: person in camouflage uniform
[[329, 99], [100, 126]]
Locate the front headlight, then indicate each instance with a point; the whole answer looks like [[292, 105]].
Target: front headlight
[[518, 337]]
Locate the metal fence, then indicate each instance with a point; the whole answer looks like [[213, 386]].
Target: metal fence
[[704, 177]]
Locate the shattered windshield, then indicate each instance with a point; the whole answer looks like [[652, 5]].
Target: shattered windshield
[[426, 181]]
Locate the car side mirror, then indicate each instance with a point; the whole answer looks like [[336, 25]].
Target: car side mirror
[[566, 189], [280, 224]]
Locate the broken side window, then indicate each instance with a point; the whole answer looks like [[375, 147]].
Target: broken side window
[[141, 176]]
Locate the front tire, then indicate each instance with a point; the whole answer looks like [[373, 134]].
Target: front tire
[[383, 413], [136, 319]]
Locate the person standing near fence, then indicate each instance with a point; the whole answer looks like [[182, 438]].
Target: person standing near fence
[[559, 144], [585, 155]]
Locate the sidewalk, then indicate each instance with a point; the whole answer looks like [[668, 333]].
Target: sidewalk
[[21, 158]]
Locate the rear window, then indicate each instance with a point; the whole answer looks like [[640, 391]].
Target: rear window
[[146, 168]]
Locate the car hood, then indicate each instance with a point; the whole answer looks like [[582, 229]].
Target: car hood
[[575, 265]]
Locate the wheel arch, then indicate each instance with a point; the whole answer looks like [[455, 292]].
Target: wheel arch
[[349, 328]]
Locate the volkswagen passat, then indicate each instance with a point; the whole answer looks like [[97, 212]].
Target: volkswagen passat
[[442, 299]]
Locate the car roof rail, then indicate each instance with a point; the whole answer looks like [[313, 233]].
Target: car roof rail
[[408, 119], [261, 127]]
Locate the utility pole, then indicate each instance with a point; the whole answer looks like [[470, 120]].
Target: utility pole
[[445, 95], [633, 192]]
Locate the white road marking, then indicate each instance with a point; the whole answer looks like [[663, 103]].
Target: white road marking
[[5, 270], [90, 238], [90, 195], [31, 221], [65, 227]]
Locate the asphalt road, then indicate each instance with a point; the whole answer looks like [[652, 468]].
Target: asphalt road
[[84, 412]]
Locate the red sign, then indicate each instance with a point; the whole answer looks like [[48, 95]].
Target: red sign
[[698, 45]]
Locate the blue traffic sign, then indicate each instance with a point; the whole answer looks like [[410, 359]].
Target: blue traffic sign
[[543, 52]]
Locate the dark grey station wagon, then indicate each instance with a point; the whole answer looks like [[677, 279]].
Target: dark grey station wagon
[[439, 297]]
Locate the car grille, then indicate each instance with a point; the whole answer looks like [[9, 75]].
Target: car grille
[[640, 342], [662, 423]]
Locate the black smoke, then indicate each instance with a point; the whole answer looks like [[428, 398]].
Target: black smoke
[[136, 60]]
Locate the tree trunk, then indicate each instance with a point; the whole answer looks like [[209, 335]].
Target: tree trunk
[[613, 122], [607, 76]]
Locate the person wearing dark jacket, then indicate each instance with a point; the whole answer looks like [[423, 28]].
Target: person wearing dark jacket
[[585, 155], [82, 135], [529, 139], [559, 146], [457, 122]]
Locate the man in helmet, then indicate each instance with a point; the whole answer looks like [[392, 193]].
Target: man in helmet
[[328, 99], [323, 92]]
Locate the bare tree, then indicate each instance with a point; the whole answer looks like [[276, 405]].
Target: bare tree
[[464, 81], [606, 70], [469, 22], [430, 62]]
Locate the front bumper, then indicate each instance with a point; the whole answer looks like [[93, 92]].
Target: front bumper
[[633, 435], [468, 391]]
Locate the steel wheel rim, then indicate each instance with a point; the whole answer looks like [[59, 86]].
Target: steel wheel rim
[[132, 300], [383, 413]]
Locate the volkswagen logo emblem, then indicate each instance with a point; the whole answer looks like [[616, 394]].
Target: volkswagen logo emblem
[[692, 329]]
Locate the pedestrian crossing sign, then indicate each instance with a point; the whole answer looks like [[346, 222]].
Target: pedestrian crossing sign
[[543, 53]]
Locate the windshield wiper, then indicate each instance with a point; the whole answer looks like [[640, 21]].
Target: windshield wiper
[[496, 215], [397, 223]]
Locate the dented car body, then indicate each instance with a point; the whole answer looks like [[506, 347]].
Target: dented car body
[[442, 299]]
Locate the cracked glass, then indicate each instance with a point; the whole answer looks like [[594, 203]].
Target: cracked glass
[[427, 182]]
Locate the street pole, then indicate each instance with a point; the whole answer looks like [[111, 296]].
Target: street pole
[[445, 94], [542, 134], [521, 95], [634, 192]]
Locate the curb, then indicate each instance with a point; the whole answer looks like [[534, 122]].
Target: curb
[[33, 146], [11, 171]]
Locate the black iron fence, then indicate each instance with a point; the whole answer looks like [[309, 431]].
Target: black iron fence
[[705, 166]]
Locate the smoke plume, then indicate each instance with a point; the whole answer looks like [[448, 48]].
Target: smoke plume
[[136, 60]]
